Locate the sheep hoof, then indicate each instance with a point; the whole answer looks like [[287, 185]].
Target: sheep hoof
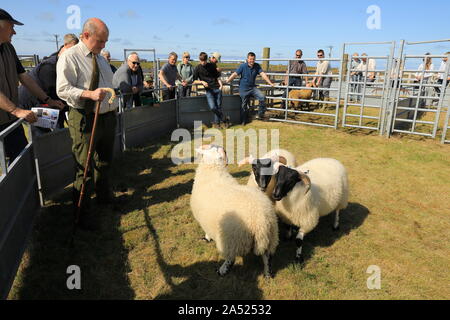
[[206, 240], [299, 260], [336, 228], [269, 275]]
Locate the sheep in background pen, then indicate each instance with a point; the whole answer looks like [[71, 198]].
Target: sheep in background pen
[[303, 94], [313, 190], [238, 218]]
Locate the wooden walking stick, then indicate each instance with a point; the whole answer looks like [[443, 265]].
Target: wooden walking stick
[[88, 159]]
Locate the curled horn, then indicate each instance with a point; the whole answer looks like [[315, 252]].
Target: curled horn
[[248, 160], [277, 158], [306, 181], [113, 94]]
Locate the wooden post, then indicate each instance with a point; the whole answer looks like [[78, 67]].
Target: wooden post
[[344, 67], [266, 55]]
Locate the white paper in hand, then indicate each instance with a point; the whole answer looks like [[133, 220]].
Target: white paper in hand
[[47, 118]]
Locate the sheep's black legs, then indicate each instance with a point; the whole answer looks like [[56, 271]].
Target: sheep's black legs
[[336, 221], [299, 243], [225, 268], [207, 238], [290, 232], [267, 260]]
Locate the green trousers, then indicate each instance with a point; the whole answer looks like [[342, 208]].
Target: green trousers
[[80, 128]]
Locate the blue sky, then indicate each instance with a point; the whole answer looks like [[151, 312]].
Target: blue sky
[[236, 27]]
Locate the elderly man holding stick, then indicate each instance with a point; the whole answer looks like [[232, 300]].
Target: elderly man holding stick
[[83, 79]]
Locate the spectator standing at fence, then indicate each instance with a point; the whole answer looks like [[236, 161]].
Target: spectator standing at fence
[[442, 70], [247, 86], [206, 74], [129, 79], [11, 72], [422, 73], [168, 76], [45, 76], [186, 71], [215, 59], [295, 67], [107, 55], [321, 80], [355, 76], [82, 73], [424, 77], [367, 68]]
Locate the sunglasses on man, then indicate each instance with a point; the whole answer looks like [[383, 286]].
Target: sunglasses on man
[[136, 63]]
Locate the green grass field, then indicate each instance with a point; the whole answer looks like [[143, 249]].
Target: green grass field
[[397, 219]]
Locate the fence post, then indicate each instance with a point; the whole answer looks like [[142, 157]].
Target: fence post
[[266, 55], [344, 66], [395, 93]]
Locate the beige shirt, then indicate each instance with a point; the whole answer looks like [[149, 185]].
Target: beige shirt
[[74, 72], [370, 64], [323, 67]]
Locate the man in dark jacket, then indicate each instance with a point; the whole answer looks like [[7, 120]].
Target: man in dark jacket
[[129, 80], [11, 72], [45, 76]]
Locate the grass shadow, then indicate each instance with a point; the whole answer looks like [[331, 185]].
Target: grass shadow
[[322, 236], [101, 257], [202, 282]]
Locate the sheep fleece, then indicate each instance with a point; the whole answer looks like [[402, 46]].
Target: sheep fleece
[[329, 192], [237, 217]]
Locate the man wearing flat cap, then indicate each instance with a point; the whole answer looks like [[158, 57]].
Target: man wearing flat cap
[[11, 72]]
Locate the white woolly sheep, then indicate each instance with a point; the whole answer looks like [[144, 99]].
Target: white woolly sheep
[[262, 169], [305, 194], [237, 217]]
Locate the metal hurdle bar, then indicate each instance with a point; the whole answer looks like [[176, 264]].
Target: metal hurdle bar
[[421, 95], [381, 118]]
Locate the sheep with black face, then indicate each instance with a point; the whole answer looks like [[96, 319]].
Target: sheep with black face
[[262, 175], [306, 193]]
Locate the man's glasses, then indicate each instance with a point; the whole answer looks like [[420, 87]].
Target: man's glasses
[[320, 55], [136, 63]]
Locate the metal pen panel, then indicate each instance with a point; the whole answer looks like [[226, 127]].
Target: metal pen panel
[[20, 203]]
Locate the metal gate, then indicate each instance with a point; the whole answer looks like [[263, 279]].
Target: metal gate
[[419, 96], [303, 111], [446, 126], [365, 100]]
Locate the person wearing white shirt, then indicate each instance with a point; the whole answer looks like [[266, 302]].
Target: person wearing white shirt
[[442, 70], [82, 73], [367, 67], [323, 68], [355, 76], [427, 65]]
